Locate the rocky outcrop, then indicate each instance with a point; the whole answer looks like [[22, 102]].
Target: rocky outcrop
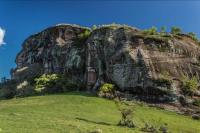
[[57, 49], [123, 55]]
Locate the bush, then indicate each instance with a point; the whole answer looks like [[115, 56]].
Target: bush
[[149, 128], [153, 129], [48, 83], [107, 90], [24, 89], [193, 36], [196, 102], [84, 35], [176, 30], [94, 27], [8, 89], [189, 85], [163, 29], [126, 114], [45, 82], [151, 31], [54, 83]]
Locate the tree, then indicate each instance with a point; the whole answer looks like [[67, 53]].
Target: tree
[[176, 30], [3, 80], [94, 27], [193, 36], [163, 29], [151, 31]]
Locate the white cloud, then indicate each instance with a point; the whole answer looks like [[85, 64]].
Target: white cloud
[[2, 34]]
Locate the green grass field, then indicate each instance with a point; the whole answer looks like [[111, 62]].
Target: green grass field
[[80, 112]]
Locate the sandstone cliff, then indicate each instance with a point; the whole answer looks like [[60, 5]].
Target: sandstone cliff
[[123, 55]]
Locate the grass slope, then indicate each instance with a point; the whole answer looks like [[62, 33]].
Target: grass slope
[[80, 112]]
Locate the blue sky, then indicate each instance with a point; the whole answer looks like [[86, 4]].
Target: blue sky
[[22, 18]]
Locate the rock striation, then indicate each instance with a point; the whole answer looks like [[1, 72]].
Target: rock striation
[[135, 62]]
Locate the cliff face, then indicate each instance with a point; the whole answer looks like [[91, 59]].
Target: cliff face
[[124, 55], [54, 50]]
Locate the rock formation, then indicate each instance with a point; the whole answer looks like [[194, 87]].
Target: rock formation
[[123, 55], [54, 50]]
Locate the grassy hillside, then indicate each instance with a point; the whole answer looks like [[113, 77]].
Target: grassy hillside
[[80, 112]]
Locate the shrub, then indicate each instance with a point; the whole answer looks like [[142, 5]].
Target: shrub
[[69, 86], [7, 93], [164, 128], [193, 36], [3, 80], [49, 83], [149, 128], [163, 29], [196, 102], [107, 87], [154, 129], [24, 89], [189, 85], [8, 89], [45, 82], [176, 30], [84, 35], [126, 114], [94, 27], [126, 118], [107, 90], [151, 31], [54, 83]]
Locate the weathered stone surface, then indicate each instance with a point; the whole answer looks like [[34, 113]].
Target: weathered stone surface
[[139, 64], [123, 55], [56, 49]]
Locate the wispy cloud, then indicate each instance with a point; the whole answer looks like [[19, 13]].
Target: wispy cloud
[[2, 35]]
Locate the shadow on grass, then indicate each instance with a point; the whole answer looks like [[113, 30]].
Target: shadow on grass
[[95, 122]]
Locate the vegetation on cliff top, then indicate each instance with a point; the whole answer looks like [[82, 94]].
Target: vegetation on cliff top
[[152, 32], [163, 35]]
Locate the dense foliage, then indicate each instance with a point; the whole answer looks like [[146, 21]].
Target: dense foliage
[[163, 35], [44, 84], [24, 89], [189, 85], [176, 30], [193, 36], [84, 35], [151, 31], [8, 89], [163, 29], [107, 90], [53, 83]]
